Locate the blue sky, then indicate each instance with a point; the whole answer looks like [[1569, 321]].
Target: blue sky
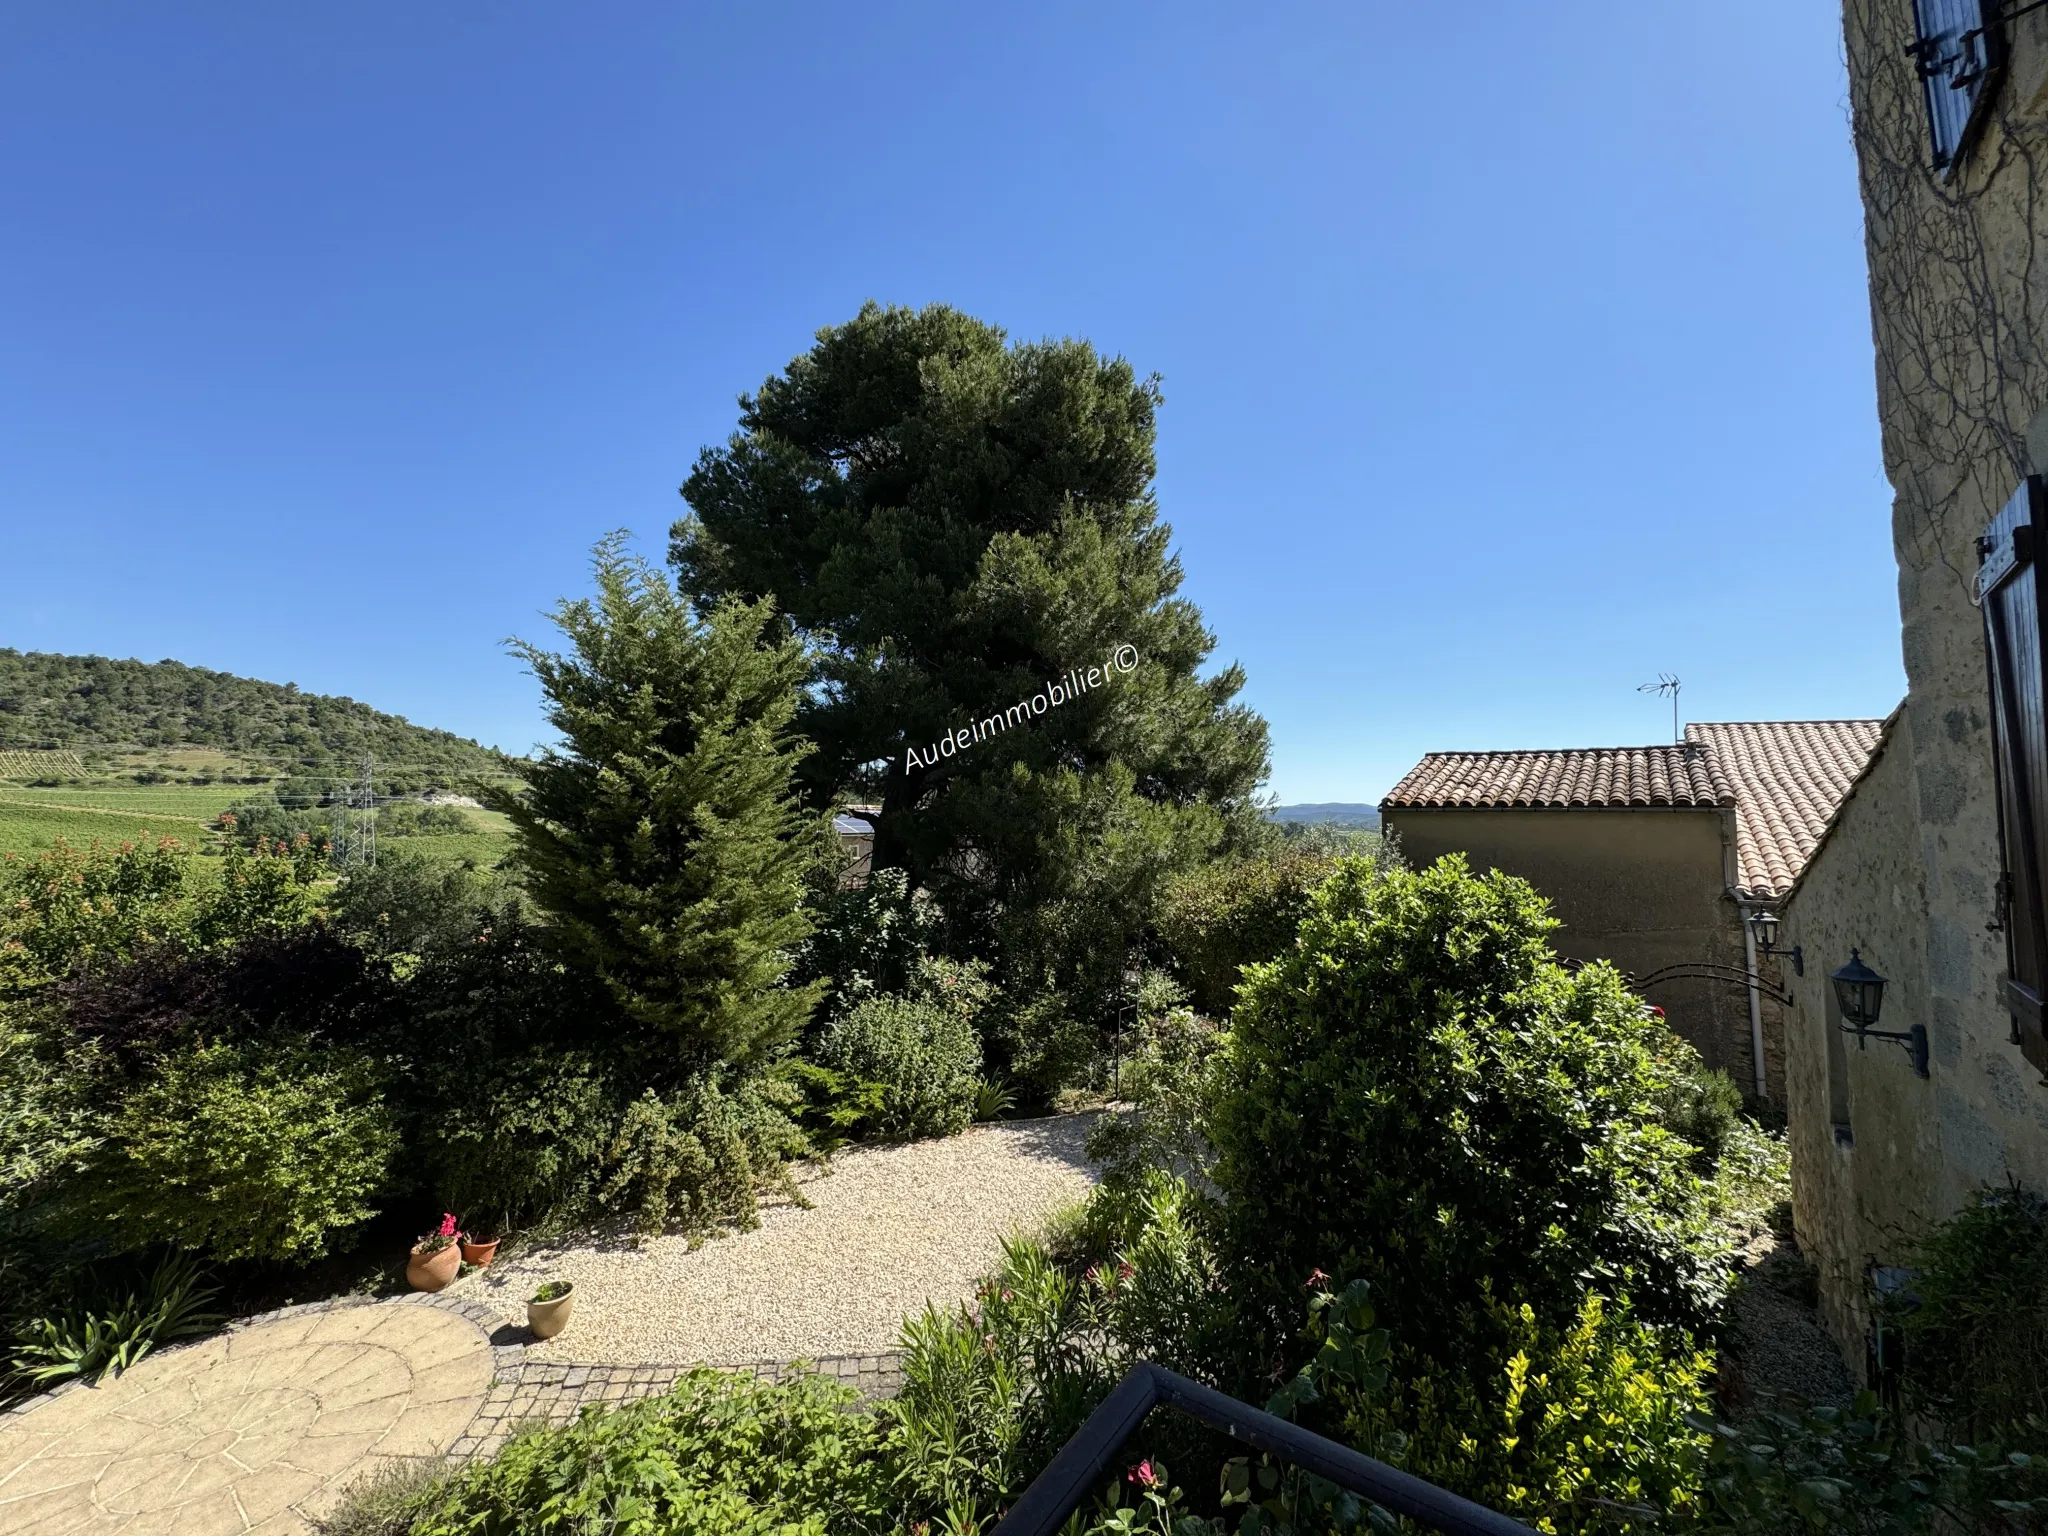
[[1509, 360]]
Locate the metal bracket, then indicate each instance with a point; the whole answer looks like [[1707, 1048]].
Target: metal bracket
[[1914, 1040]]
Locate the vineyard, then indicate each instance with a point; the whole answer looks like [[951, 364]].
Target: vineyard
[[40, 765]]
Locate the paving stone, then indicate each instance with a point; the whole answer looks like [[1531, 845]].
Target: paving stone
[[252, 1430]]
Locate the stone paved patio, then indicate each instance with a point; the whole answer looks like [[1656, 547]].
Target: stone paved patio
[[259, 1429], [254, 1430]]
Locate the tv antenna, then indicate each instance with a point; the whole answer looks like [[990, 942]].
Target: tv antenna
[[1667, 683]]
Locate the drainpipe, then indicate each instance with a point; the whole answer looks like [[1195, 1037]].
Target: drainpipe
[[1756, 1006]]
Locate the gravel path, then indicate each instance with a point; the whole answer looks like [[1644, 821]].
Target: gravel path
[[890, 1229]]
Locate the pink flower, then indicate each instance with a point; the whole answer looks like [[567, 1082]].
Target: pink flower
[[1316, 1278], [447, 1225], [1145, 1475]]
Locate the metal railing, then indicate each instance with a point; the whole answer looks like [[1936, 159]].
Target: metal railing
[[1078, 1468]]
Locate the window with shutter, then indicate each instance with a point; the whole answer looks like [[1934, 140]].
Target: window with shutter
[[2009, 587], [1959, 47]]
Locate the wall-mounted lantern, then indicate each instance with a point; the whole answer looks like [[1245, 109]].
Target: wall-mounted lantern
[[1763, 927], [1860, 992]]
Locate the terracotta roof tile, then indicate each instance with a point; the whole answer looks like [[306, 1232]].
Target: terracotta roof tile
[[1785, 779], [1789, 778], [1581, 776]]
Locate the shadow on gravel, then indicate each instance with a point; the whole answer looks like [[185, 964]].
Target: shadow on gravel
[[1055, 1139]]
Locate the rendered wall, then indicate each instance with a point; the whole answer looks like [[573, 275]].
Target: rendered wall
[[1644, 887]]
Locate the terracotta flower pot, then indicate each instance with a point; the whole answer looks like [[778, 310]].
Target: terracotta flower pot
[[545, 1319], [480, 1254], [433, 1271]]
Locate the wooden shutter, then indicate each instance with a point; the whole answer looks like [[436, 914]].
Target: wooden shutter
[[2009, 585], [1959, 49]]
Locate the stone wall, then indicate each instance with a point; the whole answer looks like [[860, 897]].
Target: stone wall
[[1960, 318], [1867, 1158]]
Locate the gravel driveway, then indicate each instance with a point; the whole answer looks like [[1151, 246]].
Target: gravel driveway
[[890, 1228]]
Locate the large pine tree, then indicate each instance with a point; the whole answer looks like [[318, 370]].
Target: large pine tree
[[956, 525], [663, 835]]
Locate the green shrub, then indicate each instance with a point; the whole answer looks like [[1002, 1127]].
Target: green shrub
[[1222, 917], [387, 1500], [409, 818], [1418, 1094], [523, 1143], [250, 1150], [865, 938], [696, 1157], [719, 1454], [407, 903], [50, 1121], [97, 1336], [1790, 1468], [1700, 1105], [68, 907], [262, 818], [924, 1055], [1976, 1333]]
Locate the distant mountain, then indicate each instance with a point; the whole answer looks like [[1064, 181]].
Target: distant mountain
[[97, 707], [1337, 813]]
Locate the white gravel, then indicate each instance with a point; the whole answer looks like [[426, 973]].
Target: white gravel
[[890, 1228]]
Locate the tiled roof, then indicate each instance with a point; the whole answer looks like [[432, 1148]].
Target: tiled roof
[[1789, 778], [1580, 776], [1785, 779]]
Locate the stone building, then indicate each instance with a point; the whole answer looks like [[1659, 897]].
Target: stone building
[[1931, 871], [1654, 857]]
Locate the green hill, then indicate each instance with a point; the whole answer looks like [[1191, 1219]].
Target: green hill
[[118, 716]]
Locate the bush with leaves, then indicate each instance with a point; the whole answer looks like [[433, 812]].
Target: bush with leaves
[[1238, 911], [717, 1453], [411, 818], [250, 1150], [1791, 1468], [523, 1144], [1976, 1326], [922, 1053], [1419, 1095], [695, 1157], [409, 904], [866, 938], [69, 907]]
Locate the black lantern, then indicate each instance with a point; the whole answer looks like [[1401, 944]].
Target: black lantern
[[1763, 927], [1860, 993]]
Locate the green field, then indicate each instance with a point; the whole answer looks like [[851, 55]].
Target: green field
[[33, 819]]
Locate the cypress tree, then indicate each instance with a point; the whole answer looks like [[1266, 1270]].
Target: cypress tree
[[663, 835]]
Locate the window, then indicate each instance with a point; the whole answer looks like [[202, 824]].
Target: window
[[2009, 587], [1958, 50]]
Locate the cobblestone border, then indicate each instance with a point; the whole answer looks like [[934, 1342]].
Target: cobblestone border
[[555, 1391], [524, 1391]]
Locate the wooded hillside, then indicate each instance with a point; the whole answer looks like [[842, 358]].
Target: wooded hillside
[[91, 704]]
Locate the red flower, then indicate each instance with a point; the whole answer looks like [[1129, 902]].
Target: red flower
[[1145, 1475]]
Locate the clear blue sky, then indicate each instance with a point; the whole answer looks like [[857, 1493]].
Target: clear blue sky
[[1509, 358]]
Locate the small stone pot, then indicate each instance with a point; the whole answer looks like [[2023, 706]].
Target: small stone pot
[[480, 1254], [545, 1319], [433, 1271]]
